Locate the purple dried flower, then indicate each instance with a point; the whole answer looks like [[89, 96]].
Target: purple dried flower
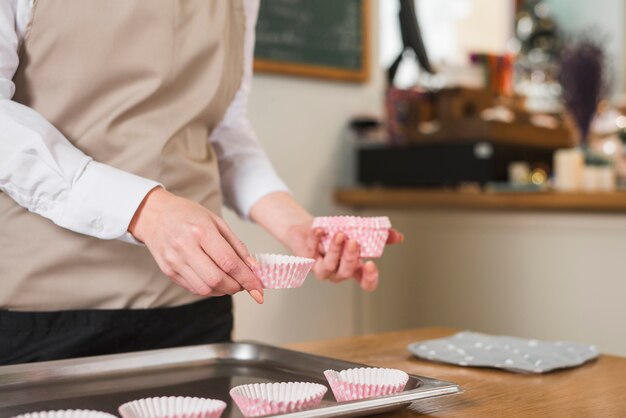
[[583, 79]]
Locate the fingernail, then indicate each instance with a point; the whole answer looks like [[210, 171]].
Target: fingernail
[[339, 238], [353, 245], [257, 296], [251, 261], [319, 232]]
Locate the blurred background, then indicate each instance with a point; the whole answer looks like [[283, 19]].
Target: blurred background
[[523, 241]]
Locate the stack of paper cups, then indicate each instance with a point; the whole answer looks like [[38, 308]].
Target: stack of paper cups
[[568, 169]]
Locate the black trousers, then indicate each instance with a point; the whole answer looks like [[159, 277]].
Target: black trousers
[[41, 336]]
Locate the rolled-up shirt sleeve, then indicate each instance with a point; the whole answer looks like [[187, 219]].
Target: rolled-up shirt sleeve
[[246, 172], [43, 172]]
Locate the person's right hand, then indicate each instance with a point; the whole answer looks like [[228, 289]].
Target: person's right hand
[[194, 247]]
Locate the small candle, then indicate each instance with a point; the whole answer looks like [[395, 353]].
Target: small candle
[[568, 169], [605, 179], [590, 179], [519, 172]]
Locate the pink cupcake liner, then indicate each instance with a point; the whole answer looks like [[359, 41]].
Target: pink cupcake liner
[[259, 399], [282, 271], [365, 382], [173, 407], [370, 233], [67, 413]]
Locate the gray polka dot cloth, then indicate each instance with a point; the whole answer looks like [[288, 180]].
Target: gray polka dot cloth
[[508, 353]]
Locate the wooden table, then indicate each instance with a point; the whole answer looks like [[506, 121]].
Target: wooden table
[[597, 389], [407, 198]]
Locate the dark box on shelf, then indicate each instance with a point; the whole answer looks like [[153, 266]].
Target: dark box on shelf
[[444, 163]]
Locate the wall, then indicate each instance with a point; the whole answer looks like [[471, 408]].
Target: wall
[[551, 276]]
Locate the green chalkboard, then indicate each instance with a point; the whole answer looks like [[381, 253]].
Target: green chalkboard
[[323, 38]]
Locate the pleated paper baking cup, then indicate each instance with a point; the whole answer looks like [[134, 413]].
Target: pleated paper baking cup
[[173, 407], [67, 413], [370, 233], [259, 399], [365, 382], [282, 271]]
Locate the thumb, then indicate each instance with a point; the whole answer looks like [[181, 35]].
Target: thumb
[[395, 237]]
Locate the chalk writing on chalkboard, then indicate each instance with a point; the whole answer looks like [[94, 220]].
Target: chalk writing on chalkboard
[[325, 38]]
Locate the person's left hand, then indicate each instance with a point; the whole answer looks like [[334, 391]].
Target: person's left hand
[[341, 261], [284, 218]]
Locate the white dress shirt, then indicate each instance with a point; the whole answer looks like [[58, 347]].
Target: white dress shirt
[[43, 172]]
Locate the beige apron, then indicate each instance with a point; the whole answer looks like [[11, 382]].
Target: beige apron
[[138, 85]]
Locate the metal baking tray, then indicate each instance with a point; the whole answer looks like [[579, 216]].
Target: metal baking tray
[[105, 382]]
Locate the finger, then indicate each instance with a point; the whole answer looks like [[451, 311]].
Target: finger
[[320, 250], [225, 258], [170, 269], [330, 262], [313, 243], [238, 245], [395, 237], [349, 264], [210, 275], [182, 282], [256, 290], [333, 255], [225, 285], [199, 286], [368, 277]]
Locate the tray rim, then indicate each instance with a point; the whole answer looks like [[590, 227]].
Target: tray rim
[[13, 377]]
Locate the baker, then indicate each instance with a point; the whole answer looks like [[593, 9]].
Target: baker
[[124, 123]]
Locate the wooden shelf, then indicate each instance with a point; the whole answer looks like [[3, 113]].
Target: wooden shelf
[[400, 198]]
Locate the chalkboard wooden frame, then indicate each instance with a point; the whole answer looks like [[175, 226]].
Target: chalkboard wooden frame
[[361, 75]]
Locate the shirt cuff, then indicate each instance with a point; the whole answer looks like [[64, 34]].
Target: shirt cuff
[[104, 200]]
